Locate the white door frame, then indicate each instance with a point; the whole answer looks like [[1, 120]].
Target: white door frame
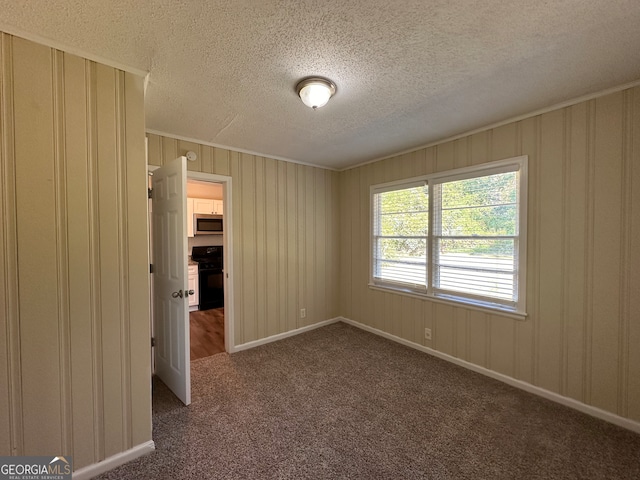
[[227, 244]]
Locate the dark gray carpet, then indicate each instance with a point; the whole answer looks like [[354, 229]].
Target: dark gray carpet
[[339, 402]]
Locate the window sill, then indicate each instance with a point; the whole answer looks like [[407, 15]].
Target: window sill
[[520, 316]]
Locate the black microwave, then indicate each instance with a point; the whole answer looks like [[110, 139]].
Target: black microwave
[[207, 224]]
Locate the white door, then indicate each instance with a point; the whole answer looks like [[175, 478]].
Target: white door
[[171, 302]]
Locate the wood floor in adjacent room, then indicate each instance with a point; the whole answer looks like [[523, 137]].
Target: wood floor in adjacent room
[[206, 332]]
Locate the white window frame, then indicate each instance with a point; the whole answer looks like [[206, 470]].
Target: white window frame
[[516, 310]]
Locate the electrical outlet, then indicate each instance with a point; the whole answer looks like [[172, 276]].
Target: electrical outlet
[[303, 313], [427, 334]]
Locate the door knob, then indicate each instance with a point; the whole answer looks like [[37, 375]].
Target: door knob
[[177, 294], [189, 292]]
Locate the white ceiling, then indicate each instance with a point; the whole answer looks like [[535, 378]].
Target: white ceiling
[[408, 72]]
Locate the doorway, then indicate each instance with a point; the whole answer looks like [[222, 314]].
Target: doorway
[[209, 255], [170, 327]]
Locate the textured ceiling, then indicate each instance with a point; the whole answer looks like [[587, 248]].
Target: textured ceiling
[[408, 72]]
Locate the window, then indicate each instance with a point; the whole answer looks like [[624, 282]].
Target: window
[[456, 236]]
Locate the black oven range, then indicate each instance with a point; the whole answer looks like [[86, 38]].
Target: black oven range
[[210, 276]]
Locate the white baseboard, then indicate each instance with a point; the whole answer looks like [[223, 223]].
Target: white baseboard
[[280, 336], [114, 461], [549, 395]]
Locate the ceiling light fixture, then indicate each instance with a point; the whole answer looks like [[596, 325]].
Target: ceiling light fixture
[[315, 92]]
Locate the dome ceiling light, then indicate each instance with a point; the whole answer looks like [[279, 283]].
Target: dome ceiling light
[[315, 92]]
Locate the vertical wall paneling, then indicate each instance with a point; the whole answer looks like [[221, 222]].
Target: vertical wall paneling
[[221, 161], [77, 228], [331, 236], [94, 261], [394, 315], [607, 240], [34, 160], [581, 337], [110, 266], [633, 278], [309, 236], [533, 243], [357, 242], [249, 247], [76, 139], [206, 158], [589, 249], [261, 248], [123, 257], [155, 152], [566, 253], [462, 333], [443, 328], [625, 240], [321, 245], [504, 141], [346, 244], [280, 215], [574, 270], [62, 248], [301, 242], [72, 139], [6, 415], [11, 411], [477, 333], [418, 324], [550, 261], [271, 240], [293, 252]]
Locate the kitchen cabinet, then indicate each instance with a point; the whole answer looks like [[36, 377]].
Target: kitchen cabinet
[[207, 205], [192, 282], [203, 205]]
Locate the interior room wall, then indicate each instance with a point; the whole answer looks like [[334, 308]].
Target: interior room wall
[[74, 348], [285, 236], [581, 338], [203, 241], [198, 189]]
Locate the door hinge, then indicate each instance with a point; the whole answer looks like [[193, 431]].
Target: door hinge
[[149, 192], [151, 268], [153, 342]]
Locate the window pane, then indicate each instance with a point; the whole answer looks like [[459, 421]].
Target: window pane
[[404, 224], [401, 221], [401, 260], [480, 206], [479, 267], [403, 212]]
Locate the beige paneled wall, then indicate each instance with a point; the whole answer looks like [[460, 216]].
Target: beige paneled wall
[[74, 347], [582, 336], [285, 220]]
